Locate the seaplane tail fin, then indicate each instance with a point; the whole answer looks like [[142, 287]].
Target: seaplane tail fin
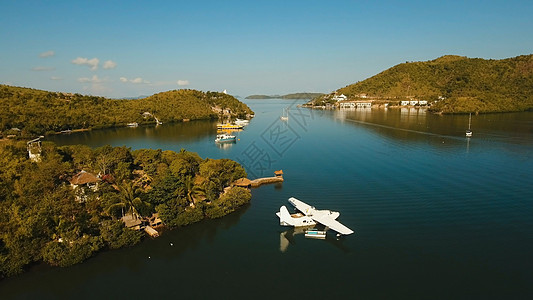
[[285, 217]]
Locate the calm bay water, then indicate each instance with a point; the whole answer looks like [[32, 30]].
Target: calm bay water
[[435, 215]]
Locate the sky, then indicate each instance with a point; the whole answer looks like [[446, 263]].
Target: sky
[[133, 48]]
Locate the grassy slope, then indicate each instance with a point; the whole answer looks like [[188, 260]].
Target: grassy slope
[[467, 84]]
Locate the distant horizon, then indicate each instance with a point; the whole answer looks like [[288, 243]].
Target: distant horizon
[[117, 50], [144, 96]]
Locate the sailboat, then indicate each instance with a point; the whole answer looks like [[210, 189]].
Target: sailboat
[[468, 131], [285, 115]]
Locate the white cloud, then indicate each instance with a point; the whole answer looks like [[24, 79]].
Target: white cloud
[[92, 63], [41, 68], [56, 78], [137, 80], [109, 64], [183, 82], [47, 54], [93, 79]]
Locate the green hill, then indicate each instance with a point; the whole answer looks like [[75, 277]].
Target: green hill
[[28, 112], [458, 84]]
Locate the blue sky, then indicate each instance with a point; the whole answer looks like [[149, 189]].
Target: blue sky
[[131, 48]]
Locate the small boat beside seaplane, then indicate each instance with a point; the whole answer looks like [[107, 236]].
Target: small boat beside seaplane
[[310, 216]]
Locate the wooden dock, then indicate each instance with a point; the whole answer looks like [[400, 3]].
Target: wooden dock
[[245, 182], [259, 181]]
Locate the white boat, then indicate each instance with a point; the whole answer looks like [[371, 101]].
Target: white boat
[[135, 124], [225, 138], [285, 115], [315, 234], [468, 131], [241, 122]]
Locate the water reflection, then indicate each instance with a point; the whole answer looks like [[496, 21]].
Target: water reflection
[[112, 271], [226, 145], [414, 124], [288, 237], [168, 132]]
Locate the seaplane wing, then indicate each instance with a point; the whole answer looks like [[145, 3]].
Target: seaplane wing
[[324, 217], [332, 224], [301, 206]]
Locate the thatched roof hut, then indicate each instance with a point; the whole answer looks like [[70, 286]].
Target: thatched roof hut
[[243, 182], [83, 178]]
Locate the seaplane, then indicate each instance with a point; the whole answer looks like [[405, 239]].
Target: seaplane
[[310, 216]]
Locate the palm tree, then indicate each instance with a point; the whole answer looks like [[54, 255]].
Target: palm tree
[[192, 191], [129, 202]]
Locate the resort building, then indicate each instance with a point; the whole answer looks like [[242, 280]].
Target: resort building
[[363, 104], [340, 97], [347, 105], [355, 104]]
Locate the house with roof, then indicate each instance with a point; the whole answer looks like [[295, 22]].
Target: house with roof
[[340, 97], [132, 221], [84, 183], [243, 182]]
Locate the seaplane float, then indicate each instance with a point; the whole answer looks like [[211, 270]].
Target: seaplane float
[[310, 216]]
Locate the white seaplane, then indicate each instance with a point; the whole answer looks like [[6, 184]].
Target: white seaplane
[[309, 216]]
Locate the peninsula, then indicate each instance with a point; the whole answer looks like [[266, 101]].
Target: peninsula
[[449, 84], [65, 204]]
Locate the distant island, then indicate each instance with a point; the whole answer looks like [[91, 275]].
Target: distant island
[[29, 112], [288, 96], [449, 84]]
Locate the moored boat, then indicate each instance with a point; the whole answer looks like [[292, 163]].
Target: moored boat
[[241, 122], [469, 131], [229, 126], [225, 138]]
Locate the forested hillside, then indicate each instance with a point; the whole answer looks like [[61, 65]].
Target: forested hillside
[[37, 112], [458, 84]]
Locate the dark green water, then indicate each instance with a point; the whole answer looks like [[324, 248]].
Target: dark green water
[[435, 215]]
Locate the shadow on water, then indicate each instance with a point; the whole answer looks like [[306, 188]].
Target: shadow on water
[[171, 132], [143, 261], [289, 237]]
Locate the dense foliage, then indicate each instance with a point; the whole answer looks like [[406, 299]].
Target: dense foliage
[[36, 112], [44, 218], [288, 96], [458, 84]]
